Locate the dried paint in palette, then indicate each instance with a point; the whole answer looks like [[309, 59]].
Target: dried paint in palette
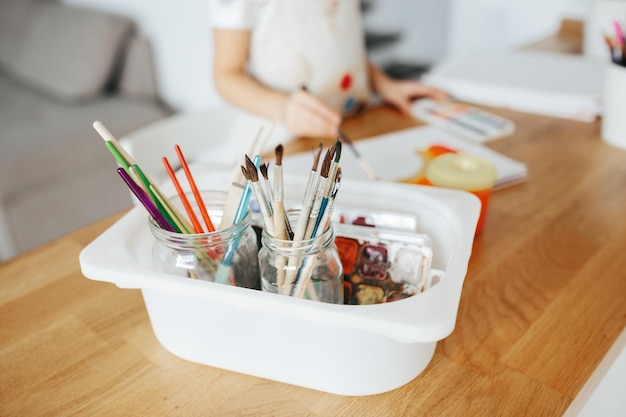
[[382, 265]]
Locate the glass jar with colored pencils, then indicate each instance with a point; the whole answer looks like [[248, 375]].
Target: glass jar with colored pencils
[[228, 255]]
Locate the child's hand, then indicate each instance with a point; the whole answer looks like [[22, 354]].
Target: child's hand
[[400, 93], [305, 115]]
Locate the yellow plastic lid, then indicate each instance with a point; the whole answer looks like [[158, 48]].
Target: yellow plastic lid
[[461, 171]]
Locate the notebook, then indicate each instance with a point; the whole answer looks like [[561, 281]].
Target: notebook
[[398, 156]]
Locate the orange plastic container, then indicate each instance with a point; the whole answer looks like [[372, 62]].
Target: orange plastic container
[[463, 171]]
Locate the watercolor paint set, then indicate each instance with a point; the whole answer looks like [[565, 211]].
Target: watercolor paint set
[[462, 119], [383, 265]]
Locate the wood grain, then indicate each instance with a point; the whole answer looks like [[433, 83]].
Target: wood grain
[[543, 301]]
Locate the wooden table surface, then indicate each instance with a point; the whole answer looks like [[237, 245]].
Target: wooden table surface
[[543, 301]]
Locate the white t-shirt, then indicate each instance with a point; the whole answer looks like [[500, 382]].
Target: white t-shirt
[[318, 44]]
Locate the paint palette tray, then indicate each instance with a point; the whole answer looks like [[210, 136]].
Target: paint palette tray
[[299, 341], [383, 265], [462, 119]]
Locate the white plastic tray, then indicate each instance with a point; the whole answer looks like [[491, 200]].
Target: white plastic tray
[[342, 349]]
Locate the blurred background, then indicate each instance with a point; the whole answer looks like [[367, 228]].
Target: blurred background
[[134, 63], [404, 36]]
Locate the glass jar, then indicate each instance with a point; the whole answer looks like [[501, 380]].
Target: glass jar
[[228, 256], [308, 269]]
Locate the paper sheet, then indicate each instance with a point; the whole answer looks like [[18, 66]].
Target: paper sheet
[[395, 156]]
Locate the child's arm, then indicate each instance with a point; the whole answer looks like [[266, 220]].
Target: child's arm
[[300, 112], [400, 93]]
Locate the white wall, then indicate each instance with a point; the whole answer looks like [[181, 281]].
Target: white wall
[[493, 24], [182, 45], [423, 25]]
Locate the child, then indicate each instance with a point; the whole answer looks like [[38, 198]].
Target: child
[[300, 64]]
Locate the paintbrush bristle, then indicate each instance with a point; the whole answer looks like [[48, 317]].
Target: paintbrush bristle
[[326, 164], [317, 152], [331, 151], [264, 168], [337, 151], [246, 175], [251, 168], [344, 137], [279, 155]]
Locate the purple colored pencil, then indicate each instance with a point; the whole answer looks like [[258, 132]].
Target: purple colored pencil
[[144, 199]]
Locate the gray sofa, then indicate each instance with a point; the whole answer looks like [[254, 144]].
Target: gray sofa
[[62, 68]]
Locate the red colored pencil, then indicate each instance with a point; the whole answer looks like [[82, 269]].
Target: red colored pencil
[[192, 216], [194, 189]]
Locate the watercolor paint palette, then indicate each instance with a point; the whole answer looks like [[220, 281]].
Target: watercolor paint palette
[[383, 265], [243, 330], [467, 121]]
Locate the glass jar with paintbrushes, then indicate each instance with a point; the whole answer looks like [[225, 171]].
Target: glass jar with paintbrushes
[[307, 268], [303, 263]]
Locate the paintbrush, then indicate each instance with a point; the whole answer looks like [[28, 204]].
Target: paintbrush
[[235, 190], [319, 193], [369, 170], [280, 215], [307, 203], [251, 174], [223, 270], [309, 196], [266, 184], [334, 167], [326, 217], [305, 273]]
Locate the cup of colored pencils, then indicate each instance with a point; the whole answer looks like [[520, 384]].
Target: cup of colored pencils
[[227, 256], [187, 242], [298, 256]]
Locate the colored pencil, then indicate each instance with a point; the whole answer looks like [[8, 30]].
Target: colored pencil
[[136, 172], [108, 137], [194, 189], [145, 200], [117, 155], [183, 198], [175, 215]]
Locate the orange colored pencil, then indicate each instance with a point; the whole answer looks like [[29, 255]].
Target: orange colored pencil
[[194, 189], [194, 220]]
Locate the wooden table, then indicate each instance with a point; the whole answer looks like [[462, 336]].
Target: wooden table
[[543, 301]]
